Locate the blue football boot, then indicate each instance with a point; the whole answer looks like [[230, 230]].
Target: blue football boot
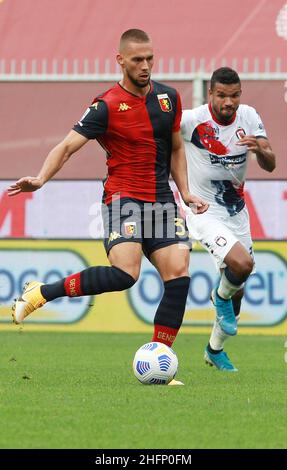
[[220, 360], [225, 316]]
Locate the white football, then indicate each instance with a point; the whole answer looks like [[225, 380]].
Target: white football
[[155, 363]]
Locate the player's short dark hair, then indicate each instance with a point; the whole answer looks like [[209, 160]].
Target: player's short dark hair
[[135, 35], [224, 75]]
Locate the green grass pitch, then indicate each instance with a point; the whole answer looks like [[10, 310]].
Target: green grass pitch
[[77, 390]]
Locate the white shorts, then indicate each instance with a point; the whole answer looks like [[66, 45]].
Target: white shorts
[[219, 235]]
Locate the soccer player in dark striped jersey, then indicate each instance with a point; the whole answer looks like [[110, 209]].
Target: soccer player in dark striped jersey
[[137, 121]]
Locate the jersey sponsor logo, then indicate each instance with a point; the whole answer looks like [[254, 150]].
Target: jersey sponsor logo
[[114, 236], [130, 228], [164, 102], [124, 107], [230, 160], [240, 133]]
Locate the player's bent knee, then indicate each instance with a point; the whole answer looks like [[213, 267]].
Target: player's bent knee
[[132, 271], [249, 266], [242, 268], [124, 280], [129, 282], [176, 273], [134, 275], [179, 270], [246, 267]]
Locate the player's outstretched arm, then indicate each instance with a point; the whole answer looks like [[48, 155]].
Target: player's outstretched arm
[[262, 149], [179, 174], [53, 163]]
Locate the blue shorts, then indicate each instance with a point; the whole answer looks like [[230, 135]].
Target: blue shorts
[[154, 225]]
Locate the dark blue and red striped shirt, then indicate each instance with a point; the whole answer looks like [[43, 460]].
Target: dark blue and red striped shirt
[[136, 133]]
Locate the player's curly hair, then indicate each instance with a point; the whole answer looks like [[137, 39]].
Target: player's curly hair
[[224, 75]]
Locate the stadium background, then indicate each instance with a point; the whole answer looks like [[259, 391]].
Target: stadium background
[[49, 77], [74, 388]]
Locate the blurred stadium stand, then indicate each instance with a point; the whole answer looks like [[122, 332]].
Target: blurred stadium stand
[[56, 55]]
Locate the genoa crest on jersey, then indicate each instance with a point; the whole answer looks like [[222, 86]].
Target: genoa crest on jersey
[[130, 228], [165, 103]]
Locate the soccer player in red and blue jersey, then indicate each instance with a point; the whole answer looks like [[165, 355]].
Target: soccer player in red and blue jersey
[[137, 122]]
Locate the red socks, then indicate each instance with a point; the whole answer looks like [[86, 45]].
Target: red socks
[[164, 334]]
